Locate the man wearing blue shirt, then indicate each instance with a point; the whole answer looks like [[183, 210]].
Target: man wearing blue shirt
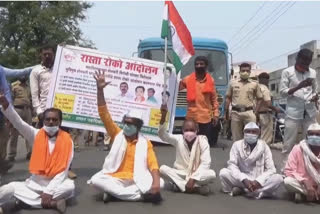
[[4, 124]]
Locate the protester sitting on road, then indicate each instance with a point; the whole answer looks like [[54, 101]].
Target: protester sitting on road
[[302, 168], [250, 168], [52, 153], [130, 171], [191, 172]]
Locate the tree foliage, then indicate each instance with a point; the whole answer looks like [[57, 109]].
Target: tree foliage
[[27, 26]]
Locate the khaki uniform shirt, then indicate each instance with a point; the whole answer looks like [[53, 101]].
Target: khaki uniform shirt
[[244, 93], [21, 94], [265, 98]]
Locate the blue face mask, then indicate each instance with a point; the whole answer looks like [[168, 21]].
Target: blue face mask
[[250, 138], [129, 130], [313, 140]]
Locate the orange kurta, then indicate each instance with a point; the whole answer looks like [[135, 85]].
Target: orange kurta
[[126, 168], [205, 105]]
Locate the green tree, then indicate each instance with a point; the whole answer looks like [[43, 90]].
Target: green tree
[[26, 26]]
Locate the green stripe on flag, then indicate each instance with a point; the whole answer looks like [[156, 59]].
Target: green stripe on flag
[[164, 29], [177, 62]]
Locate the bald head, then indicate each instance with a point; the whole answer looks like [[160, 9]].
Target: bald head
[[190, 126]]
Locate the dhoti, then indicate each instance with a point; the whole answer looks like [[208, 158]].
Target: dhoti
[[293, 186], [271, 184], [123, 189], [202, 177], [6, 193], [30, 190]]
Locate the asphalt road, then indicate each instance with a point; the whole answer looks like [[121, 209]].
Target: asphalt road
[[87, 200]]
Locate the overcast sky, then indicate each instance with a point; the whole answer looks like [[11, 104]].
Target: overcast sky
[[117, 27]]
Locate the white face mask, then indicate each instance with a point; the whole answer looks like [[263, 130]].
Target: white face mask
[[51, 130], [250, 138], [313, 140], [189, 136]]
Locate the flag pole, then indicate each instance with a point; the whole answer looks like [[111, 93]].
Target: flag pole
[[165, 64]]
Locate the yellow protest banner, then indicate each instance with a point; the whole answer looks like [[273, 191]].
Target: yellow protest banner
[[64, 102], [155, 116]]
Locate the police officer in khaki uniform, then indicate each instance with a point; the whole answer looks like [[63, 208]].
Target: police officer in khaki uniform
[[266, 108], [21, 96], [243, 94]]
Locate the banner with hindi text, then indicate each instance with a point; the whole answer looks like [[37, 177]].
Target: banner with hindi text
[[135, 84]]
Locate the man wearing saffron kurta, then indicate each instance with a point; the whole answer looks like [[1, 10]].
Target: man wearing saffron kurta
[[48, 186], [130, 171], [191, 172], [302, 168], [203, 106]]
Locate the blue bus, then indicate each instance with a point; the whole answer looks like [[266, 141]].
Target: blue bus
[[217, 52]]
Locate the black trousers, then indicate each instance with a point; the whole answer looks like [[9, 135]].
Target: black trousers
[[212, 132]]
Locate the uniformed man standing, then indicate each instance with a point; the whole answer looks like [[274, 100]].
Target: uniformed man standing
[[243, 94], [266, 109], [22, 103]]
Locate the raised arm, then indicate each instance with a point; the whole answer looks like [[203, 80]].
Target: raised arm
[[26, 130], [111, 127], [14, 73], [4, 87], [162, 132]]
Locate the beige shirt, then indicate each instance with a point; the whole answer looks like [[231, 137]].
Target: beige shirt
[[21, 94], [244, 93], [40, 78], [266, 97]]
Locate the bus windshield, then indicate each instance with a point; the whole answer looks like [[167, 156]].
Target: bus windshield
[[217, 63]]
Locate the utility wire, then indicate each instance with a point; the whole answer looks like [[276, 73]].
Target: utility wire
[[263, 30], [261, 24], [247, 22], [276, 57]]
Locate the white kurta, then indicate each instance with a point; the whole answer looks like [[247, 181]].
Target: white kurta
[[29, 191], [239, 169], [203, 174], [125, 189]]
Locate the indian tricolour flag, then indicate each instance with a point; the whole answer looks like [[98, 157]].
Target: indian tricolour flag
[[175, 30]]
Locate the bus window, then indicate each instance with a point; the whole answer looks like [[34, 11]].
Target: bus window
[[217, 63]]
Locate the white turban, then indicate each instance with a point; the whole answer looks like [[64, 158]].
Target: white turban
[[314, 127], [251, 125], [135, 114]]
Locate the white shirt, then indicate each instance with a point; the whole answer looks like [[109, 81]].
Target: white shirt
[[29, 133], [183, 152], [40, 80], [240, 169], [299, 101]]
